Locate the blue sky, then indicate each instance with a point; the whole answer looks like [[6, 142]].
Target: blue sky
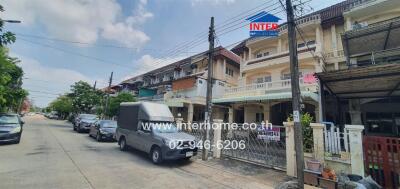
[[128, 37]]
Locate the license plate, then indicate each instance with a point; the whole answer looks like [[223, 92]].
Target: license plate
[[189, 154]]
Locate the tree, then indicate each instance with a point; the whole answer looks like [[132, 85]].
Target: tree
[[84, 97], [11, 93], [116, 101], [63, 105]]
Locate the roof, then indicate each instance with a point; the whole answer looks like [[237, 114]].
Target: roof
[[374, 81], [218, 52], [384, 35]]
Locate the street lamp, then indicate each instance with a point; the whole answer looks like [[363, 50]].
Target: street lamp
[[12, 21]]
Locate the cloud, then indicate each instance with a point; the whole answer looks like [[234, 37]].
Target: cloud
[[82, 20], [212, 2], [147, 63], [44, 83]]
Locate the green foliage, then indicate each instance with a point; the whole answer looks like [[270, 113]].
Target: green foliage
[[116, 101], [5, 37], [308, 141], [84, 97], [11, 93], [63, 105]]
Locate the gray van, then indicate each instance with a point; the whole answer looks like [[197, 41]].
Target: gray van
[[150, 127]]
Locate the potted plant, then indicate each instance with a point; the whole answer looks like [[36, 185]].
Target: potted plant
[[308, 143]]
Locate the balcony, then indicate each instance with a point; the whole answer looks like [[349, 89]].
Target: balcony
[[334, 56], [258, 89], [279, 58], [358, 3], [158, 97], [312, 19]]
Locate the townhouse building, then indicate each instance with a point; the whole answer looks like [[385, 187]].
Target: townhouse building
[[182, 85], [364, 88], [263, 92]]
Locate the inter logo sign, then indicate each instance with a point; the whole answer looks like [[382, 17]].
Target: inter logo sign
[[263, 24]]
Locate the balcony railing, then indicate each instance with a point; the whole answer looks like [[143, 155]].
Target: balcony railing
[[301, 21], [158, 97], [358, 3], [271, 57], [267, 87], [334, 54], [378, 57]]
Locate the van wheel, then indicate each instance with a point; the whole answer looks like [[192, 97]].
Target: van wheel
[[156, 155], [122, 144]]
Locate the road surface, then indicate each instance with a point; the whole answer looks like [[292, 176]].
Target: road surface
[[52, 155]]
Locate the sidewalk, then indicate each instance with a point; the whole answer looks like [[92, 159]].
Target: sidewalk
[[235, 174]]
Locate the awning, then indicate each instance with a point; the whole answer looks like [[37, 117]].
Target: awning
[[379, 36], [272, 96], [374, 81]]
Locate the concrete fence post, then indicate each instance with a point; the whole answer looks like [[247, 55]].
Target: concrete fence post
[[318, 139], [179, 122], [217, 124], [290, 151], [356, 148]]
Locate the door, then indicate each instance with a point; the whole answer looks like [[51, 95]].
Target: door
[[144, 139]]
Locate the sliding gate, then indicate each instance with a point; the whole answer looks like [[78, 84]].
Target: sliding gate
[[262, 146]]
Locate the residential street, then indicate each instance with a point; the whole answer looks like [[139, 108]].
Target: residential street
[[52, 155]]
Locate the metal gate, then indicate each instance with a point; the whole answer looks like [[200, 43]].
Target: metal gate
[[382, 160], [263, 146]]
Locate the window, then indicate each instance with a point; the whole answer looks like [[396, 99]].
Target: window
[[229, 72], [188, 73], [264, 79], [287, 75], [259, 117], [300, 45], [311, 42], [221, 84], [267, 79], [261, 54]]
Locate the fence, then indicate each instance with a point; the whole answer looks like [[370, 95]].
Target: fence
[[335, 141], [265, 146], [382, 160]]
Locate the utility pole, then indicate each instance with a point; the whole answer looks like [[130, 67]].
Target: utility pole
[[94, 86], [208, 112], [294, 73], [108, 95]]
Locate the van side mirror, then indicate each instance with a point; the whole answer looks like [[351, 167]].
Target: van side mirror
[[22, 122]]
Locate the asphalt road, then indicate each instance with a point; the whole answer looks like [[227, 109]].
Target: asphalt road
[[52, 155]]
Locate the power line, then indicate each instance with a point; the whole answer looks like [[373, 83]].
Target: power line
[[86, 43], [44, 92], [77, 54]]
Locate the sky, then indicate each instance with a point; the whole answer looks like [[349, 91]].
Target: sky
[[60, 42]]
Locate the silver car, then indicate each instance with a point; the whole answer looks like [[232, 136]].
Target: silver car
[[150, 127]]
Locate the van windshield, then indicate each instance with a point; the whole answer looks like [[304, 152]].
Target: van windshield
[[164, 127]]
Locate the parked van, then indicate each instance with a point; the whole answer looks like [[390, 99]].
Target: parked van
[[150, 127]]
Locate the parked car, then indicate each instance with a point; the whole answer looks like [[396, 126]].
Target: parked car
[[155, 140], [10, 128], [103, 130], [83, 122]]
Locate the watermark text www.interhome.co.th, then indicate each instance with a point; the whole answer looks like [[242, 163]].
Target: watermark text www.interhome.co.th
[[204, 125]]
